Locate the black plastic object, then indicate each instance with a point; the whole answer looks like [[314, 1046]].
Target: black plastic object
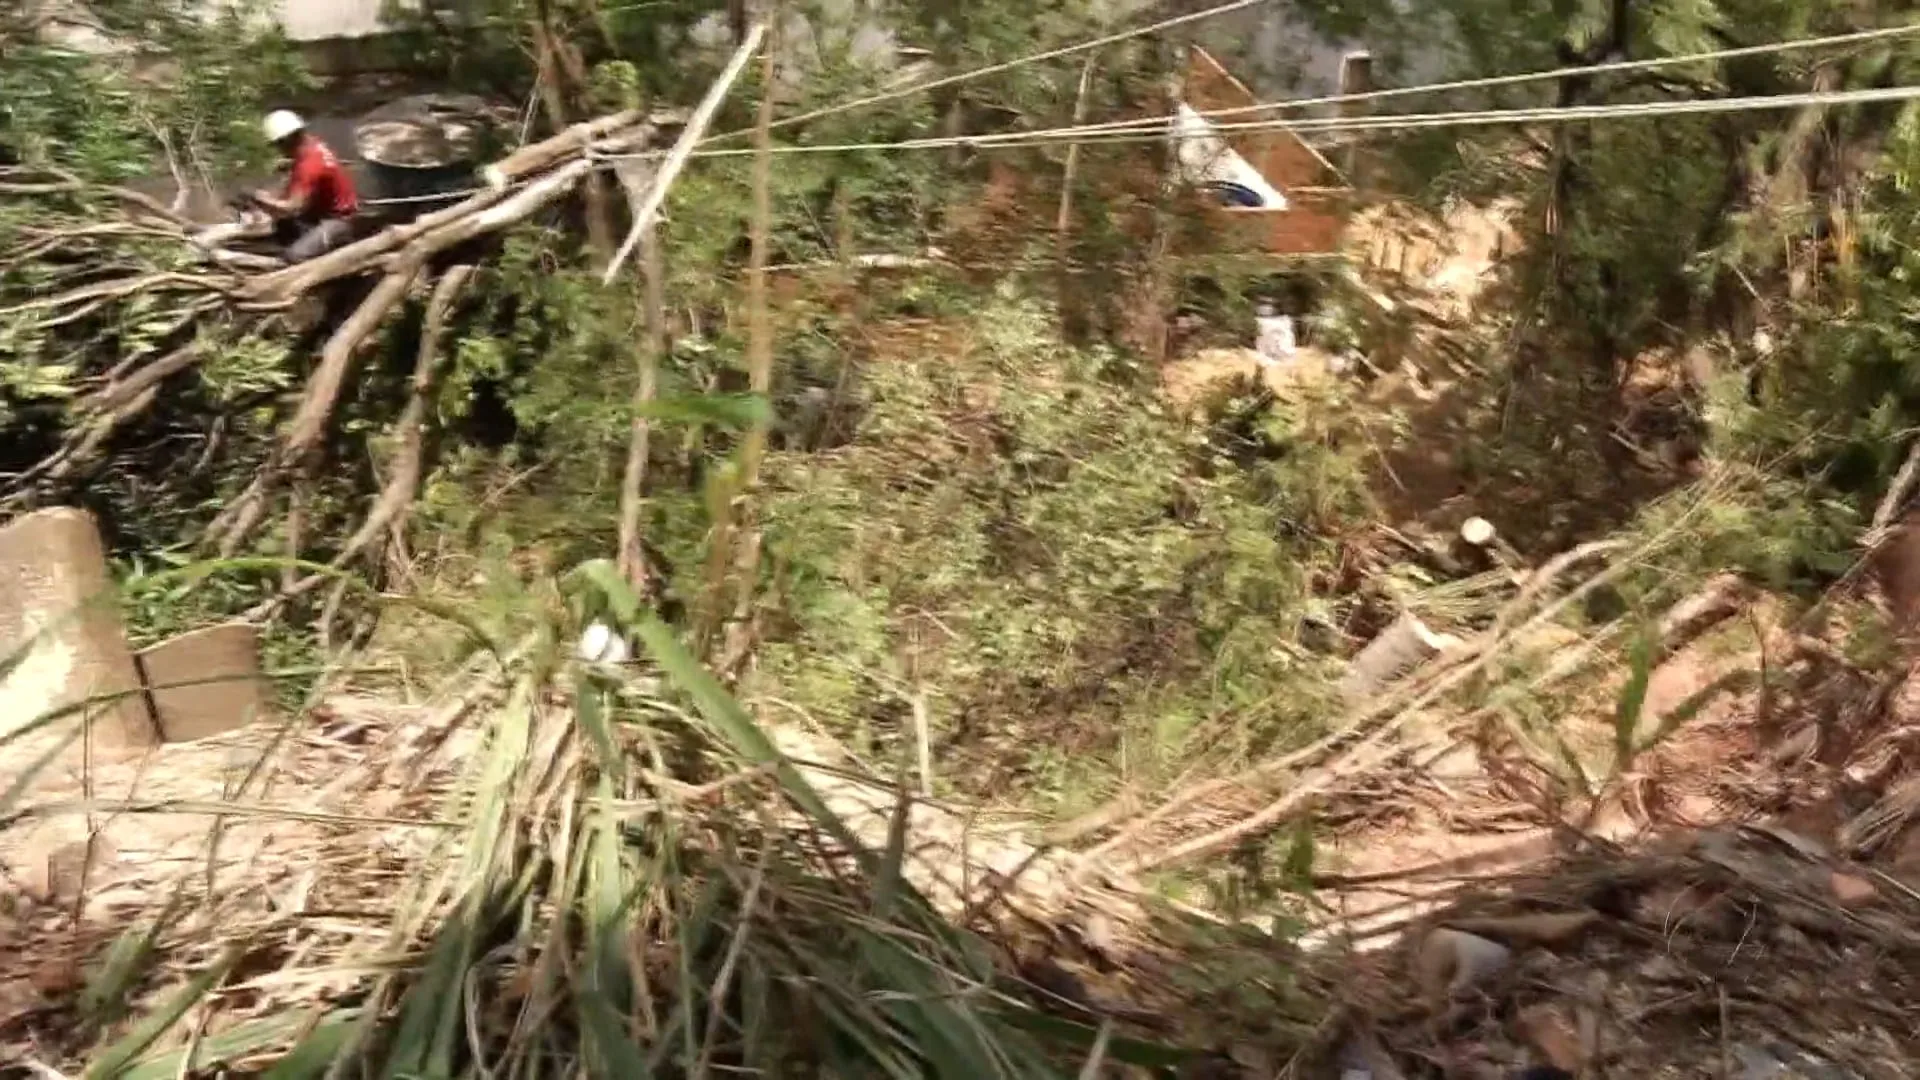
[[1232, 194], [421, 153]]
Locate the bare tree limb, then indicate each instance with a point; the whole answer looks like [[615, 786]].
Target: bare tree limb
[[239, 519], [402, 483], [1898, 495]]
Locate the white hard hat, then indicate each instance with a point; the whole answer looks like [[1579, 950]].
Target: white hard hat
[[281, 123]]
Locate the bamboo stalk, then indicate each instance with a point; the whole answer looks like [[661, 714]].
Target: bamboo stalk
[[632, 561], [759, 366]]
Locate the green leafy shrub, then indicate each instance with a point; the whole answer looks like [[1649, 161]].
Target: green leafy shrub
[[1083, 584]]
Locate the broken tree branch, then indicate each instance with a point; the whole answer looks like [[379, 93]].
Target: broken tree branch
[[403, 481], [682, 151], [239, 519], [66, 182], [540, 156], [111, 407], [1379, 745], [1898, 495], [1376, 724], [397, 493], [484, 212]]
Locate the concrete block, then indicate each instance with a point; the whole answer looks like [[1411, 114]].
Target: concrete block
[[54, 583], [229, 653]]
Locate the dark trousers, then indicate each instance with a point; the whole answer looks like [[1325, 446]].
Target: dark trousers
[[302, 240]]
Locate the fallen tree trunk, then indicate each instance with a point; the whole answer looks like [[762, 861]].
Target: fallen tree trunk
[[402, 484], [236, 524]]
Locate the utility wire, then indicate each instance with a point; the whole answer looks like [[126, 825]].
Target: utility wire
[[995, 69], [1154, 128], [1467, 118], [1489, 82], [1155, 124], [1408, 122], [1610, 67]]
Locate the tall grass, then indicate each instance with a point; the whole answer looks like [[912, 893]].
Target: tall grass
[[630, 881]]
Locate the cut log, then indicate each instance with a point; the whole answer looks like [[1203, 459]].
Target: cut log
[[1405, 644]]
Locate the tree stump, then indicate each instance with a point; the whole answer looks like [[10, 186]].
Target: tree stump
[[1405, 644]]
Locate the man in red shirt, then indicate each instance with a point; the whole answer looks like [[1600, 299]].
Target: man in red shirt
[[315, 213]]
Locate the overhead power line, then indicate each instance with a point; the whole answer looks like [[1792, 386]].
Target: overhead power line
[[1410, 122], [1482, 83], [995, 69], [1467, 118], [1551, 74], [1155, 128]]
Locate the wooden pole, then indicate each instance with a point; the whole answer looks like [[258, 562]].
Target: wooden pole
[[1161, 282], [676, 160], [1356, 77]]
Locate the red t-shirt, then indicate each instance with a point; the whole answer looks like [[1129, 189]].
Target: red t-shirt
[[319, 176]]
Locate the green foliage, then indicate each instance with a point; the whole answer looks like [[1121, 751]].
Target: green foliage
[[1024, 530], [1839, 399], [193, 87], [633, 48]]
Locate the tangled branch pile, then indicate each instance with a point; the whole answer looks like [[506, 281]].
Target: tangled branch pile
[[112, 280]]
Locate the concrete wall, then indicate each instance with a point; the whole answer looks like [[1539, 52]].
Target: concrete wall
[[319, 20], [207, 681]]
